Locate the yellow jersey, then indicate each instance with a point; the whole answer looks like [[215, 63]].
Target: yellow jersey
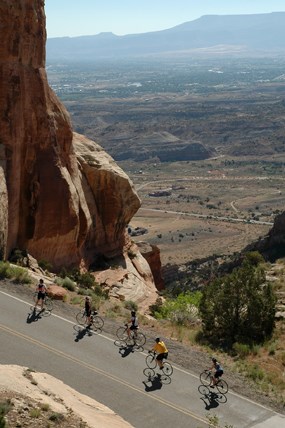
[[160, 347]]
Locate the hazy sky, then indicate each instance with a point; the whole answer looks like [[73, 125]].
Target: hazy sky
[[89, 17]]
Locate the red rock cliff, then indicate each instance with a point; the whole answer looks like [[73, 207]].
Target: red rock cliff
[[67, 199]]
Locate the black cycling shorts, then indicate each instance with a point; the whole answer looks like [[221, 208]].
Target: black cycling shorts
[[218, 373], [161, 356], [41, 295]]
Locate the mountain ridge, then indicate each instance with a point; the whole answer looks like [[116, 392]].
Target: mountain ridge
[[253, 33]]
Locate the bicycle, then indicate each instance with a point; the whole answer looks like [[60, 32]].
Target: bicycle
[[95, 320], [136, 337], [48, 304], [151, 363], [206, 380]]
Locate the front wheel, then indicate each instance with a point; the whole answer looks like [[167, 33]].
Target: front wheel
[[97, 322], [149, 373], [222, 386], [48, 304], [205, 378], [150, 361], [81, 318]]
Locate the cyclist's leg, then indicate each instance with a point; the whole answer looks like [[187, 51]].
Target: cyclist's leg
[[159, 360]]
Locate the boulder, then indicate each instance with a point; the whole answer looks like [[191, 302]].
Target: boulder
[[56, 292]]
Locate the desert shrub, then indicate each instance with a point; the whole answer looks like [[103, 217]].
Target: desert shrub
[[45, 407], [5, 271], [56, 417], [239, 307], [19, 257], [5, 407], [35, 413], [183, 310], [241, 349], [45, 265], [132, 306], [86, 280], [254, 258], [20, 275], [66, 283]]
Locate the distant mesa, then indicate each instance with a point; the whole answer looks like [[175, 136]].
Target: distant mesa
[[162, 146]]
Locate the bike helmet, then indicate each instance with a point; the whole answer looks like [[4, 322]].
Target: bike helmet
[[133, 313], [157, 339], [214, 360]]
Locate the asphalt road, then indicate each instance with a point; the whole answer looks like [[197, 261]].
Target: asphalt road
[[95, 366]]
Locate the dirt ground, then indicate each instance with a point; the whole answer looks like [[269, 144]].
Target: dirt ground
[[193, 358]]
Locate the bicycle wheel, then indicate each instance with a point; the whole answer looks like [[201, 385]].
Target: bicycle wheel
[[81, 318], [222, 386], [139, 339], [150, 361], [167, 368], [205, 378], [121, 333], [48, 304], [149, 373], [97, 322]]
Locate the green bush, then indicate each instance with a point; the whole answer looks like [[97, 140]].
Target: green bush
[[66, 283], [241, 349], [56, 417], [239, 307], [5, 271], [183, 310], [18, 274], [45, 265], [86, 280], [132, 306]]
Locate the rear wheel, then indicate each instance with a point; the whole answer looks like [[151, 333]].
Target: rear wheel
[[121, 333], [167, 369], [222, 386], [81, 318], [205, 378], [139, 339]]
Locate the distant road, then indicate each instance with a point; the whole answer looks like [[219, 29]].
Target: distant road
[[209, 217], [94, 366]]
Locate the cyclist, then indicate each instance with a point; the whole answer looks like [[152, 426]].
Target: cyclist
[[218, 372], [162, 352], [134, 324], [88, 308], [41, 290]]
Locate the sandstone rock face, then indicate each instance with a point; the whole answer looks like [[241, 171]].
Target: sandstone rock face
[[130, 278], [67, 200], [152, 255]]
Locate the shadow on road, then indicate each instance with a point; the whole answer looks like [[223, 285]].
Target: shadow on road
[[126, 349], [36, 315], [153, 384], [83, 331], [212, 399]]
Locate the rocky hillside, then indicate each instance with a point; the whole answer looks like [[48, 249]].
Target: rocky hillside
[[62, 198]]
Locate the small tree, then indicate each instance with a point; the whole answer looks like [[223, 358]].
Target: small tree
[[239, 307]]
